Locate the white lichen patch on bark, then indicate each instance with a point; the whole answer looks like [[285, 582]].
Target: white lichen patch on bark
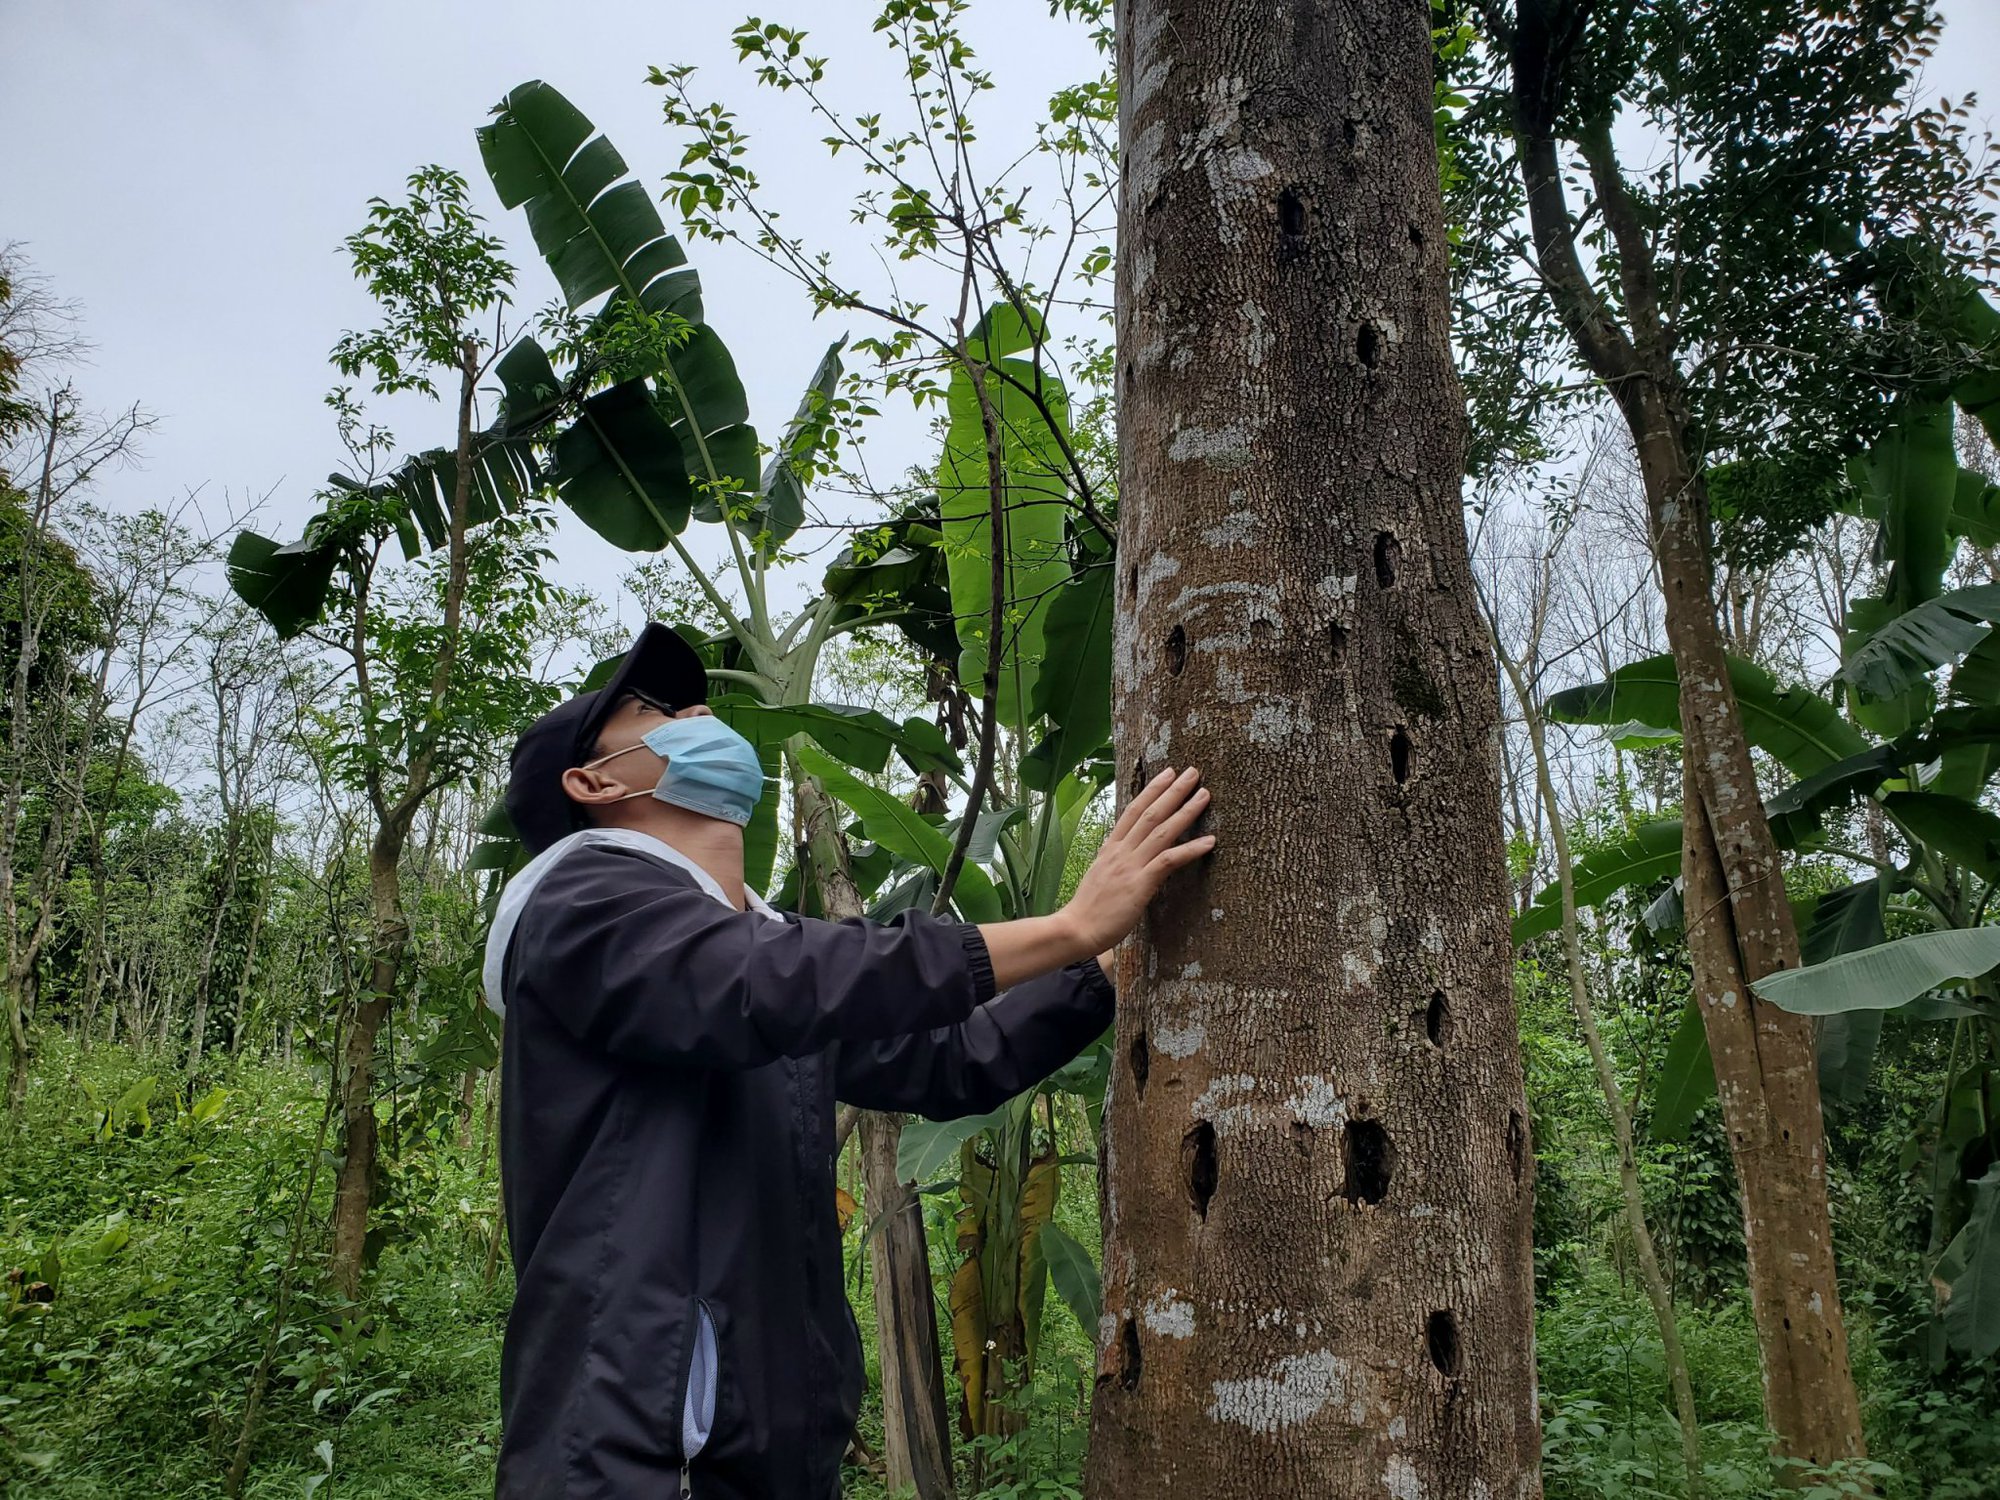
[[1153, 571], [1297, 1389], [1178, 1041], [1168, 1316], [1317, 1103], [1224, 448], [1257, 339], [1238, 529], [1210, 1105], [1276, 723], [1400, 1477]]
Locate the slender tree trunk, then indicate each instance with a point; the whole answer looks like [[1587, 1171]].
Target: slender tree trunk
[[1739, 923], [1317, 1273], [354, 1187], [916, 1430], [1644, 1252], [1739, 928]]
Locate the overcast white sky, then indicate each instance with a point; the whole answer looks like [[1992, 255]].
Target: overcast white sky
[[186, 169]]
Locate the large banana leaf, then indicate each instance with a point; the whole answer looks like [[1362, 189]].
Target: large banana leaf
[[1885, 976], [598, 234], [781, 491], [998, 1290], [1074, 1275], [1975, 509], [896, 569], [1913, 471], [633, 474], [1073, 689], [859, 736], [1970, 1267], [1797, 728], [285, 584], [1652, 851], [1959, 830], [1686, 1081], [1796, 812], [619, 467], [1911, 645], [892, 823], [1034, 503], [1841, 921]]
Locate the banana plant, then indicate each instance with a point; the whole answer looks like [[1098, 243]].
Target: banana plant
[[1004, 516]]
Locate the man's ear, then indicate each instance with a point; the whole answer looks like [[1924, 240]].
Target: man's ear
[[592, 787]]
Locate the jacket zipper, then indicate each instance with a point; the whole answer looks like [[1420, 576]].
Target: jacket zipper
[[702, 1340]]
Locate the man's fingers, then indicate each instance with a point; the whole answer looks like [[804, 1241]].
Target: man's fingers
[[1136, 808], [1169, 801], [1178, 857], [1170, 828]]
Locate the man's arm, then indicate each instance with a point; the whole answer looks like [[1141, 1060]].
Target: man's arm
[[1009, 1044], [632, 957]]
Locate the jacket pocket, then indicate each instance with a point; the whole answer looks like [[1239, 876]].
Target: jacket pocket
[[698, 1407]]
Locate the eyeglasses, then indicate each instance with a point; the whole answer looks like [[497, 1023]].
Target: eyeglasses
[[665, 710]]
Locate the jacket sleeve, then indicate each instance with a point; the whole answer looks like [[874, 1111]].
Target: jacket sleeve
[[1007, 1045], [632, 957]]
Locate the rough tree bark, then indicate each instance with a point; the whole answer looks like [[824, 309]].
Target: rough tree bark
[[1739, 923], [916, 1429], [1317, 1275]]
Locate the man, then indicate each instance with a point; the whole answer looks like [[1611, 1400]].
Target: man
[[674, 1049]]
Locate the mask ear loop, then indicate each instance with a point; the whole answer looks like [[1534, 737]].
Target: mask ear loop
[[592, 764]]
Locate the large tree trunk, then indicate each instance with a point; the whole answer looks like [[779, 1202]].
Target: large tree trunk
[[916, 1430], [1317, 1276], [354, 1187]]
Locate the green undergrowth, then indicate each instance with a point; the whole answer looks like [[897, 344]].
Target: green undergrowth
[[144, 1234]]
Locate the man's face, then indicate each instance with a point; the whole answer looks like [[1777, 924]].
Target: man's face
[[621, 764]]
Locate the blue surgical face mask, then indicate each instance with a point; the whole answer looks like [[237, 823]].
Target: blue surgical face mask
[[711, 769]]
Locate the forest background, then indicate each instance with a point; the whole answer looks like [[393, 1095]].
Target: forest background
[[170, 1169]]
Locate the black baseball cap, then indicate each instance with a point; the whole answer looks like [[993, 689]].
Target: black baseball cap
[[661, 666]]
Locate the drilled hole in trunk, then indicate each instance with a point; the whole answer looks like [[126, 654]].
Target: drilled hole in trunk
[[1336, 642], [1437, 1020], [1198, 1165], [1370, 1159], [1402, 755], [1291, 214], [1388, 552], [1517, 1143], [1139, 777], [1128, 1355], [1142, 1063], [1368, 345], [1416, 237], [1176, 651], [1441, 1339]]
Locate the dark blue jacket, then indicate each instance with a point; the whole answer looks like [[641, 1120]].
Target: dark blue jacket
[[671, 1067]]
